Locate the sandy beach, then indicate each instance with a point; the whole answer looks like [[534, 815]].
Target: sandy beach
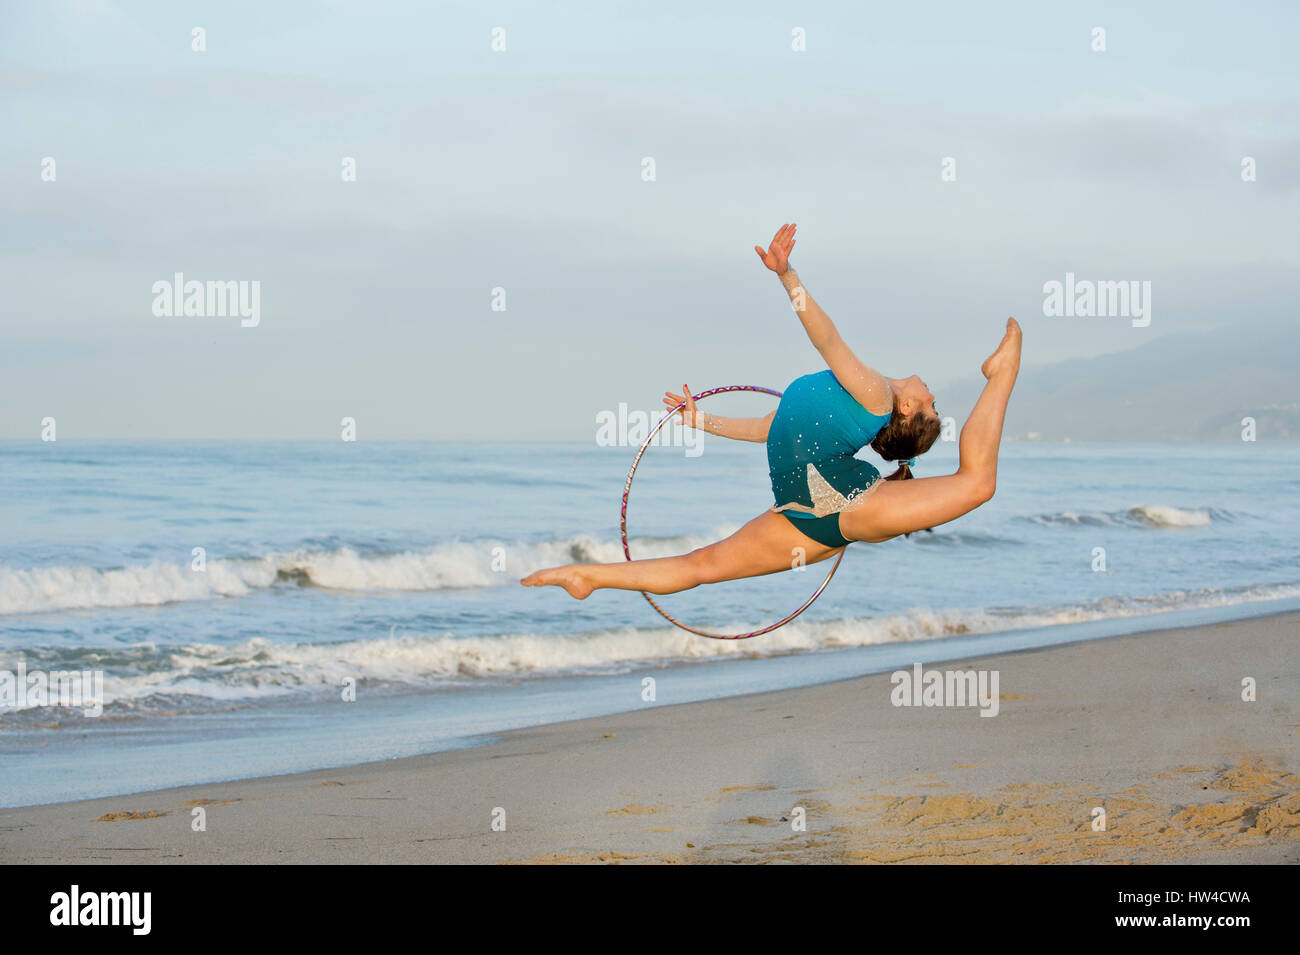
[[1151, 728]]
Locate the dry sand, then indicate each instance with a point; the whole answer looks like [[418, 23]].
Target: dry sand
[[1151, 727]]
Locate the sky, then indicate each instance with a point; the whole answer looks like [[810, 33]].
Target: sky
[[523, 169]]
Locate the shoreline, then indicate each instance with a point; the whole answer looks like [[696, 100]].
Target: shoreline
[[1148, 726], [122, 759]]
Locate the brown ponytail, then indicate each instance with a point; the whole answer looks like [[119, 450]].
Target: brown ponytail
[[904, 473]]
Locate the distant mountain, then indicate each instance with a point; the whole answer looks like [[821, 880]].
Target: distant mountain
[[1179, 388]]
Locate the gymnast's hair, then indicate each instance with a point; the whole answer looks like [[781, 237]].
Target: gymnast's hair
[[904, 438]]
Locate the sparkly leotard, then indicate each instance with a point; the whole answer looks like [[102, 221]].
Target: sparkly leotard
[[817, 429]]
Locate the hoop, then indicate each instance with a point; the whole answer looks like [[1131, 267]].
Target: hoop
[[627, 488]]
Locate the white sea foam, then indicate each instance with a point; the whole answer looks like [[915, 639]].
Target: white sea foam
[[1161, 516], [449, 565], [182, 678], [67, 588], [453, 564], [1157, 516]]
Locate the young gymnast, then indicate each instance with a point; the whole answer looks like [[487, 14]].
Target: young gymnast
[[825, 498]]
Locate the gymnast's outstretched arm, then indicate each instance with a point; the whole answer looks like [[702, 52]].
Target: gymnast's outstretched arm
[[867, 386], [742, 429]]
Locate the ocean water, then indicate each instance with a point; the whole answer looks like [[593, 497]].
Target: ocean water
[[394, 567]]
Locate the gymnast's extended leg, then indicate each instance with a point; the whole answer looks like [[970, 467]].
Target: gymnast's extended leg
[[765, 545], [902, 507]]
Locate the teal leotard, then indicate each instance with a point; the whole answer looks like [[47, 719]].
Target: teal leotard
[[817, 429]]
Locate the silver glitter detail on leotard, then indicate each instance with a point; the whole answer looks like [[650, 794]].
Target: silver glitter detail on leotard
[[826, 500]]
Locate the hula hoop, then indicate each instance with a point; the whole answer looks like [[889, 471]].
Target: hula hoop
[[627, 489]]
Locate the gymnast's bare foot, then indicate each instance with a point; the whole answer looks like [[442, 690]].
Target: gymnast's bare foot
[[1006, 360], [569, 577]]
